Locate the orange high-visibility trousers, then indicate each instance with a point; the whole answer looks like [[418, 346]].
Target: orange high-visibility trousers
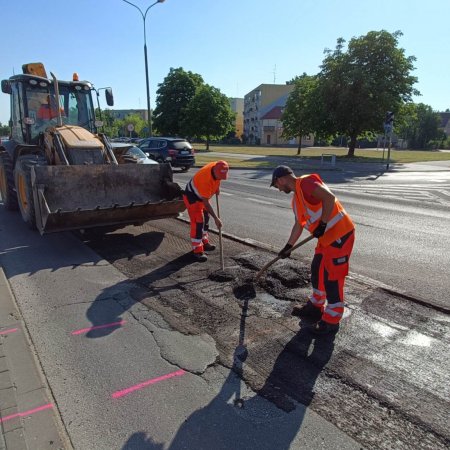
[[199, 217], [329, 268]]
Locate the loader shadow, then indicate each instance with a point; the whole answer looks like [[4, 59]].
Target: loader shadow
[[123, 245], [270, 419], [109, 307]]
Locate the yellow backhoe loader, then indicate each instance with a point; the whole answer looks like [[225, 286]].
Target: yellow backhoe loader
[[61, 173]]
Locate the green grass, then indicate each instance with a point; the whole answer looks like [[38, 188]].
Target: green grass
[[204, 158], [314, 153]]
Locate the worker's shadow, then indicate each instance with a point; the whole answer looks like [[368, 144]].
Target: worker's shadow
[[105, 312], [297, 368], [232, 422]]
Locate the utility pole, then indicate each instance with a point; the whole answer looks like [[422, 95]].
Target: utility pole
[[144, 16], [388, 127]]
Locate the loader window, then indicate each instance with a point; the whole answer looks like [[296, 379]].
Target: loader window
[[80, 108], [42, 108], [75, 105], [18, 129]]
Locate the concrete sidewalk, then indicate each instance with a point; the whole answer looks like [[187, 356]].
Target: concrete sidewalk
[[28, 416]]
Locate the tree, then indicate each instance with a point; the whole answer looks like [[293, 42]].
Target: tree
[[299, 110], [110, 123], [172, 97], [4, 130], [359, 85], [419, 125], [208, 115]]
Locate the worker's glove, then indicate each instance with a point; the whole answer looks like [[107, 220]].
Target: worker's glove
[[218, 223], [320, 230], [285, 252]]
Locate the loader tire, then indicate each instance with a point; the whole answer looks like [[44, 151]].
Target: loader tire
[[7, 190], [22, 176]]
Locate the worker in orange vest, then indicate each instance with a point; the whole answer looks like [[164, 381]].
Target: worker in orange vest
[[318, 210], [200, 189], [49, 110]]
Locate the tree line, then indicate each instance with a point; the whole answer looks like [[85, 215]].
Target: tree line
[[357, 85], [185, 106], [355, 88]]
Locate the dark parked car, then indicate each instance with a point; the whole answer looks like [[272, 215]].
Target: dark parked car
[[177, 151]]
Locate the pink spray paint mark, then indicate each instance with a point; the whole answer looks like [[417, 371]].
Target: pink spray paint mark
[[107, 325], [26, 413], [12, 330], [147, 383]]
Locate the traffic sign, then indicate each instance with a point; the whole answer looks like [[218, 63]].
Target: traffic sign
[[130, 127]]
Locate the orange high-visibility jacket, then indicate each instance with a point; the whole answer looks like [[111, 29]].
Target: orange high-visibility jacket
[[308, 215], [203, 184]]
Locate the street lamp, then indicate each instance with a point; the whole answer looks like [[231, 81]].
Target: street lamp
[[144, 16]]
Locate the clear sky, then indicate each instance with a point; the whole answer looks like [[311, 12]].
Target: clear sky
[[234, 44]]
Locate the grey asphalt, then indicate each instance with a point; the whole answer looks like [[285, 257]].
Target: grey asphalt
[[55, 280], [29, 416]]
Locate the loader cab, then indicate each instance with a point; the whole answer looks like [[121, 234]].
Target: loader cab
[[34, 106]]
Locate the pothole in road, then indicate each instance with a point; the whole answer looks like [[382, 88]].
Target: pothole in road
[[285, 281], [245, 291]]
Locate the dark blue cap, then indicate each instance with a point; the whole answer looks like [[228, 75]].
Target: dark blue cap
[[279, 172]]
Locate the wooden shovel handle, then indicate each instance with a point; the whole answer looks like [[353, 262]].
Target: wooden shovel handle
[[222, 263]]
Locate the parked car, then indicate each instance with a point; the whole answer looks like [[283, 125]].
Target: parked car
[[177, 151], [129, 154]]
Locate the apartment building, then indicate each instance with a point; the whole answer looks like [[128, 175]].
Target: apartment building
[[445, 122], [258, 102], [272, 130], [237, 106]]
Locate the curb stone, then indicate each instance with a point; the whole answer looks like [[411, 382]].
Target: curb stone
[[23, 386]]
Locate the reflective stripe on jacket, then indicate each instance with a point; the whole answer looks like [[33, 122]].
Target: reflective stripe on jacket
[[308, 215]]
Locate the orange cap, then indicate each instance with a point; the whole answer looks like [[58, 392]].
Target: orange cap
[[222, 168]]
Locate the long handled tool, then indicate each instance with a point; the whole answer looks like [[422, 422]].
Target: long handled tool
[[222, 265], [258, 275], [240, 354]]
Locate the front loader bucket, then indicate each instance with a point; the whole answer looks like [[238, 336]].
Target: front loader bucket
[[86, 196]]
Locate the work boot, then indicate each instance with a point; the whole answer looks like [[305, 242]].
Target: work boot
[[321, 328], [208, 247], [307, 311], [200, 257]]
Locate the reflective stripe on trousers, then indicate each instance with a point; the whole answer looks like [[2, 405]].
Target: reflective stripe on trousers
[[326, 291], [199, 219], [318, 298]]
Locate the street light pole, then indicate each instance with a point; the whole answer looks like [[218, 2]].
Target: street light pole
[[144, 16]]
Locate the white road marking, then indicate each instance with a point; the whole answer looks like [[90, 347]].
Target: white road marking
[[410, 192]]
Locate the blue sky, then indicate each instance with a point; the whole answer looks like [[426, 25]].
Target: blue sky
[[234, 44]]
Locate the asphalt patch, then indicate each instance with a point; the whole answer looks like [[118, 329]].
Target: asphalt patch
[[245, 290], [291, 276], [221, 276]]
